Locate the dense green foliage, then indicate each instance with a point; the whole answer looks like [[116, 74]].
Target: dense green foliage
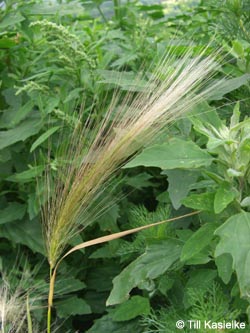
[[59, 57]]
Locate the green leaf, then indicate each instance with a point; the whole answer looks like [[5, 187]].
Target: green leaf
[[109, 219], [68, 285], [25, 232], [204, 113], [234, 239], [51, 104], [18, 112], [6, 43], [235, 118], [244, 152], [201, 278], [43, 137], [125, 80], [100, 277], [125, 59], [11, 19], [238, 48], [19, 133], [22, 113], [136, 306], [27, 175], [74, 94], [223, 197], [198, 241], [139, 181], [5, 155], [157, 259], [229, 86], [201, 258], [175, 154], [179, 184], [11, 98], [72, 306], [34, 205], [14, 211], [107, 325], [245, 202], [203, 201], [224, 264]]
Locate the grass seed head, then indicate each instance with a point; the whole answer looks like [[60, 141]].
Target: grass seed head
[[124, 130]]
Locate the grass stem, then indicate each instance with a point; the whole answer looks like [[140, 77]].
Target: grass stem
[[50, 299]]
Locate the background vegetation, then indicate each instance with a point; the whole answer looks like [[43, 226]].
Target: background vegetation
[[59, 57]]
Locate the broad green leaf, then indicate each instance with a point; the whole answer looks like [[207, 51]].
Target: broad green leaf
[[43, 137], [63, 285], [201, 258], [24, 232], [109, 219], [68, 285], [204, 113], [223, 197], [238, 48], [245, 202], [51, 104], [20, 133], [166, 282], [134, 307], [14, 211], [157, 259], [125, 59], [175, 154], [224, 265], [71, 306], [5, 155], [125, 80], [27, 175], [100, 277], [109, 250], [179, 184], [244, 153], [16, 113], [11, 19], [203, 201], [201, 278], [234, 173], [11, 98], [34, 205], [198, 241], [234, 239], [139, 181], [235, 118], [73, 95], [6, 43], [107, 325], [228, 86], [22, 112]]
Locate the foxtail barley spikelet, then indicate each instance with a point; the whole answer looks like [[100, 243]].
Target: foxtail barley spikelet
[[13, 315], [170, 93]]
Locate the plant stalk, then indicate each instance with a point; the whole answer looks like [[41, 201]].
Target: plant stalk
[[96, 241], [50, 299]]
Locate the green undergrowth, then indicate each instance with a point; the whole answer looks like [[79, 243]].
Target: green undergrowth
[[64, 58]]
